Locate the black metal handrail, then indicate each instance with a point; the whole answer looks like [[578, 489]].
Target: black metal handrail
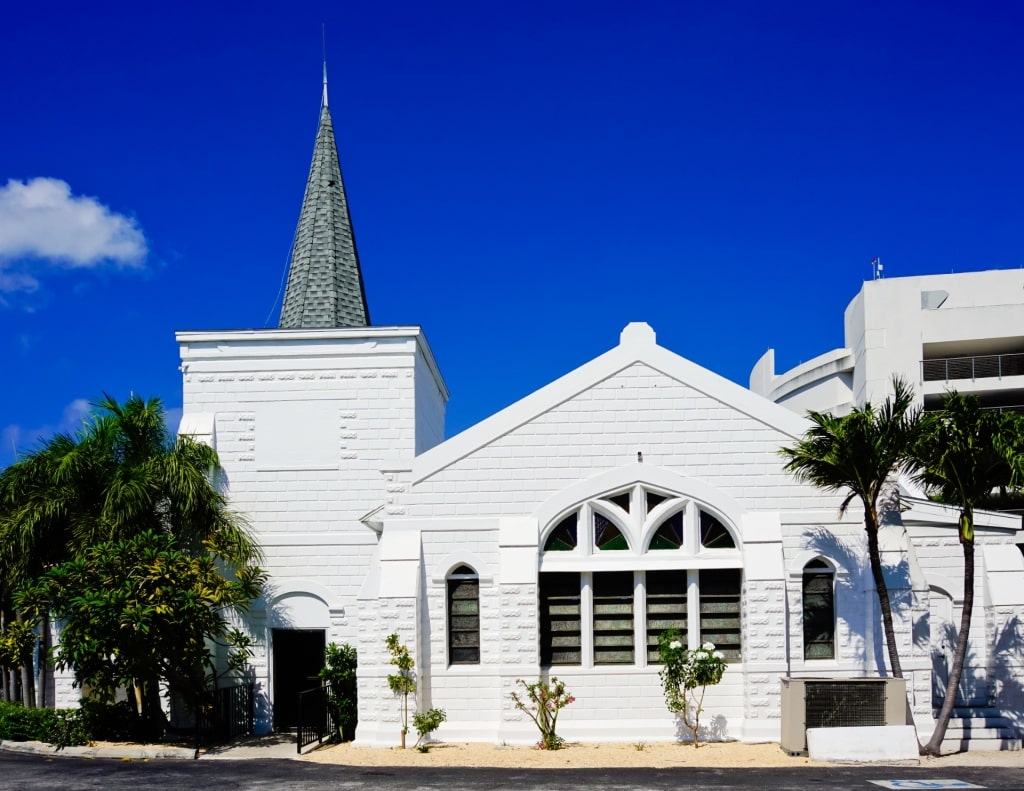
[[315, 720], [227, 717], [986, 366]]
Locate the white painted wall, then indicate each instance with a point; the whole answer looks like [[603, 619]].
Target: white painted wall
[[308, 425], [493, 491]]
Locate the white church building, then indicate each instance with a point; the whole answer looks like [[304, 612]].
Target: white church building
[[561, 535]]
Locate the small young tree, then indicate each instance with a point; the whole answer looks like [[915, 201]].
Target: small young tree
[[544, 701], [686, 675], [426, 723], [402, 683]]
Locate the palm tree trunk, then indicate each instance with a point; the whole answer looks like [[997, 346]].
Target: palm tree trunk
[[41, 646], [7, 679], [960, 654], [28, 698], [871, 527]]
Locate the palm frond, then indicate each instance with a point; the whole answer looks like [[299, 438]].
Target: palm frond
[[122, 474]]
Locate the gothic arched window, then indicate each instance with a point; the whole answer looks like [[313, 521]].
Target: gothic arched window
[[622, 567], [819, 610], [463, 617]]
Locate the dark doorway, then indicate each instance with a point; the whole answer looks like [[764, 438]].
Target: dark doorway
[[298, 659]]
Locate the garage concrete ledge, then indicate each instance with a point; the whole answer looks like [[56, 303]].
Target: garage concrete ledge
[[127, 752], [869, 744]]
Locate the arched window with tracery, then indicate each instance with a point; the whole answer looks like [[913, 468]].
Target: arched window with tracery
[[630, 564]]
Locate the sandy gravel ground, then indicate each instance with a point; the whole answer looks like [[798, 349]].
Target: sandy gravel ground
[[583, 756]]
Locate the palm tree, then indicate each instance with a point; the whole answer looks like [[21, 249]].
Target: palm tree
[[122, 474], [38, 509], [965, 454], [859, 453]]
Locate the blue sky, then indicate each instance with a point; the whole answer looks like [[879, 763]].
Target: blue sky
[[525, 177]]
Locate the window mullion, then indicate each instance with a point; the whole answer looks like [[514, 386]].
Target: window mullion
[[691, 528], [693, 608], [586, 619], [585, 530], [639, 619]]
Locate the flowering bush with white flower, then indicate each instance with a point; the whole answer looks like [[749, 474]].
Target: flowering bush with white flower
[[544, 701], [685, 675]]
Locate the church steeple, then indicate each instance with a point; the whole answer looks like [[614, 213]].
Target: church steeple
[[325, 282]]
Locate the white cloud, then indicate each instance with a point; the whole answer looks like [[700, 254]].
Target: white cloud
[[41, 221]]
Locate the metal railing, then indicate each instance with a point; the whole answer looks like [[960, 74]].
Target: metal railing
[[986, 366], [317, 712], [229, 716], [1016, 408]]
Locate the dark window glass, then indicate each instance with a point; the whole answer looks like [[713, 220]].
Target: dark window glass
[[613, 618], [666, 608], [463, 617], [720, 610], [713, 534], [607, 535], [670, 534], [560, 619], [621, 500], [654, 500], [563, 537], [819, 611]]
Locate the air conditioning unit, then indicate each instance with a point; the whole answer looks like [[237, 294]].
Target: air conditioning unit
[[838, 703]]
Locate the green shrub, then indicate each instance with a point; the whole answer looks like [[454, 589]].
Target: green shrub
[[425, 724], [59, 727], [340, 672], [112, 722]]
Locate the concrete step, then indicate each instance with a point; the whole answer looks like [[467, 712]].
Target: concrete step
[[967, 723], [979, 728], [977, 732], [970, 712], [975, 744]]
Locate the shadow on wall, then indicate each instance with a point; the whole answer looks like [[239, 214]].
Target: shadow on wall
[[1007, 669], [181, 714], [424, 696], [277, 617], [714, 730], [974, 687], [855, 593]]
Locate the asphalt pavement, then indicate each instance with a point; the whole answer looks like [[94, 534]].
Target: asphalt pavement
[[29, 772]]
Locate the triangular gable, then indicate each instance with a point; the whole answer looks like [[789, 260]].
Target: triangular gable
[[637, 344]]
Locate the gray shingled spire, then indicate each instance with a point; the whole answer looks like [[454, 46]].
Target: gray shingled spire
[[325, 283]]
